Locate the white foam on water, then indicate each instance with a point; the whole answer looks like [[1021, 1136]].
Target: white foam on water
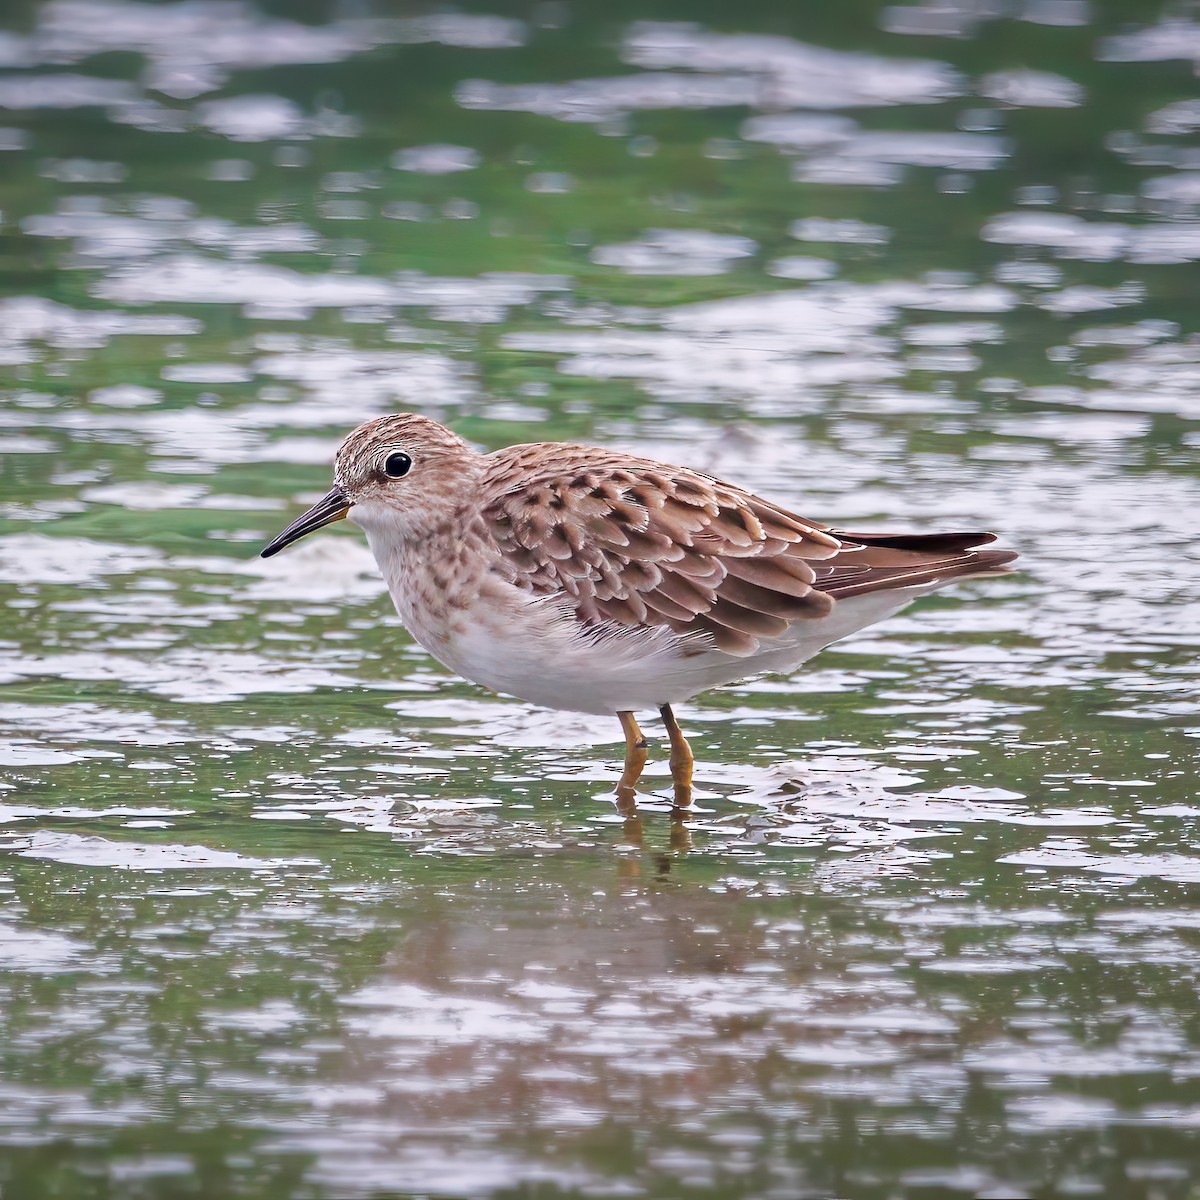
[[1026, 88], [795, 74], [186, 673], [82, 722], [1070, 301], [62, 90], [1179, 117], [799, 131], [40, 951], [258, 118], [801, 266], [196, 280], [125, 395], [723, 70], [1181, 188], [953, 150], [367, 379], [595, 101], [18, 753], [1045, 1059], [789, 342], [839, 229], [1072, 237], [414, 1013], [39, 558], [215, 373], [270, 1017], [318, 569], [1171, 38], [471, 31], [78, 850], [437, 158], [676, 252], [934, 18], [83, 170], [26, 321], [1068, 235], [1179, 868], [192, 47], [102, 230]]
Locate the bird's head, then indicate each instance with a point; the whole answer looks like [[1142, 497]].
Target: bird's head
[[397, 472]]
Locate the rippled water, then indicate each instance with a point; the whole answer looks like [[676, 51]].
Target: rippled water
[[285, 911]]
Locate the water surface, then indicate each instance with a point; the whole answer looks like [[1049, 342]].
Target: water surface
[[287, 911]]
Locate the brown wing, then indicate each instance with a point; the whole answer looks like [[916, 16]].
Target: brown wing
[[640, 543]]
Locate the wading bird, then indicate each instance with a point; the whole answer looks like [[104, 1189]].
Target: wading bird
[[594, 581]]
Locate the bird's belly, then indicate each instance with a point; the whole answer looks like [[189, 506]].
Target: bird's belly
[[519, 645], [525, 647], [547, 661]]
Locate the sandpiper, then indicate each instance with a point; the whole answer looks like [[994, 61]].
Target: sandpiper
[[586, 579]]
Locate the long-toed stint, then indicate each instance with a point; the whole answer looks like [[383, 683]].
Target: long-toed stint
[[585, 579]]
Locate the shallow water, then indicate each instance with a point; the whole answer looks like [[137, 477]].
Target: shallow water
[[286, 911]]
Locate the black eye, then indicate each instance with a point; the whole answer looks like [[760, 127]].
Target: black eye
[[398, 464]]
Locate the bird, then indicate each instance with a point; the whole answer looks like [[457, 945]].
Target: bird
[[586, 579]]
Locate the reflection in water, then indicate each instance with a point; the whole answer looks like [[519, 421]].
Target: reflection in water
[[287, 911]]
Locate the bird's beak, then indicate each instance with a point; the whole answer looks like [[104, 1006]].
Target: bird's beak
[[333, 506]]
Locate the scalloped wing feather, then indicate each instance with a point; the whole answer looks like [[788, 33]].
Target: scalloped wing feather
[[635, 543]]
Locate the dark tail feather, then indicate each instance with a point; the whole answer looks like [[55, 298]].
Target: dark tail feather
[[936, 543]]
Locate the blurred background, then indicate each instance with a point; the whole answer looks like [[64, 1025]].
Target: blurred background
[[286, 911]]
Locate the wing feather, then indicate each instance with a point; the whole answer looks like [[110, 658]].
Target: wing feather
[[638, 543]]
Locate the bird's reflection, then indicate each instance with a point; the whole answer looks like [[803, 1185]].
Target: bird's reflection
[[633, 829]]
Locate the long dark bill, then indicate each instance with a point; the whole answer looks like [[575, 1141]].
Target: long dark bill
[[333, 506]]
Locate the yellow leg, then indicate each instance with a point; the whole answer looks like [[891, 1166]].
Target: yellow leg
[[681, 758], [635, 759]]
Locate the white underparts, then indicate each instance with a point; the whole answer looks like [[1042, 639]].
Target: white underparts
[[539, 652], [535, 648]]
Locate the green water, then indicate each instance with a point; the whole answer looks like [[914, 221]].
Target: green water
[[287, 911]]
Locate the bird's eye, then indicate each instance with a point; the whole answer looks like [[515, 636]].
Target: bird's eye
[[397, 464]]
